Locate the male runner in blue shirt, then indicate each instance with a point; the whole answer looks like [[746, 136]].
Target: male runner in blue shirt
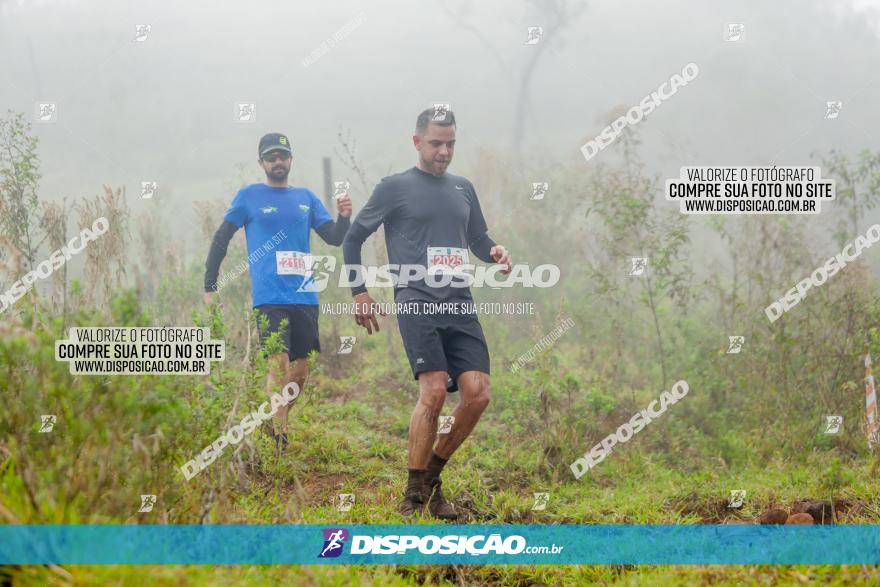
[[277, 219]]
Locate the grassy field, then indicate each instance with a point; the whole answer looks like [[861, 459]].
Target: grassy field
[[752, 420], [119, 437]]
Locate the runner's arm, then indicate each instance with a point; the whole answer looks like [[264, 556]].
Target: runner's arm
[[482, 246], [219, 245], [351, 253], [333, 232], [478, 237], [368, 220], [365, 309]]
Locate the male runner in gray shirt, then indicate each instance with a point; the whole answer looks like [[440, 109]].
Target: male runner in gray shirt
[[431, 219]]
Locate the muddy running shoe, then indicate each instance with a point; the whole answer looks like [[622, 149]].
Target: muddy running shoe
[[411, 503], [438, 505]]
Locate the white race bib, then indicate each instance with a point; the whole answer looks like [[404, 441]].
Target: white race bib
[[290, 262], [442, 259]]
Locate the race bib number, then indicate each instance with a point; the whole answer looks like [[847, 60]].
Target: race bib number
[[290, 262], [446, 258]]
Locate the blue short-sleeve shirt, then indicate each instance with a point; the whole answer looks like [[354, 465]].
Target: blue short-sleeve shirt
[[277, 224]]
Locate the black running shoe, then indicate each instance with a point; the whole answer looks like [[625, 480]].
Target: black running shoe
[[439, 506], [411, 503]]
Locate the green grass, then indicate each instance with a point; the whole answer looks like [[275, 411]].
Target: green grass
[[122, 436]]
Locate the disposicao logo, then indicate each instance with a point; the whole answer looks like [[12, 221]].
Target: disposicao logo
[[455, 544], [334, 540], [442, 545]]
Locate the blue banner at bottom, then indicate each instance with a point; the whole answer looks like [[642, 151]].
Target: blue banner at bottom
[[438, 544]]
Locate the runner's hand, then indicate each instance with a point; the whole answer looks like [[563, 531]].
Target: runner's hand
[[343, 205], [502, 257], [365, 312], [209, 299]]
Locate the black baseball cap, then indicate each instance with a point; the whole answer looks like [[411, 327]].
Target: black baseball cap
[[274, 142]]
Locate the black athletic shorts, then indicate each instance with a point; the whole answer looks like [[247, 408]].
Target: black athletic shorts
[[300, 335], [451, 342]]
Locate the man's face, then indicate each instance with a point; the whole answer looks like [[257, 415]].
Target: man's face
[[276, 164], [435, 147]]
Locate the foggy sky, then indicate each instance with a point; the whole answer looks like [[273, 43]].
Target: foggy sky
[[163, 109]]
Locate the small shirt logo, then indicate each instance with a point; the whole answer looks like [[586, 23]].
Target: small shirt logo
[[304, 208], [268, 209]]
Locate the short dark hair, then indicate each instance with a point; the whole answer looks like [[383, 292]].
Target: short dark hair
[[428, 117]]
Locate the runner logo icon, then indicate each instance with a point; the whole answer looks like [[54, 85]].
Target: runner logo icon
[[317, 276], [334, 540]]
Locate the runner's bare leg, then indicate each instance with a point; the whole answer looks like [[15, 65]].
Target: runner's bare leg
[[423, 423], [474, 389], [279, 364], [297, 372]]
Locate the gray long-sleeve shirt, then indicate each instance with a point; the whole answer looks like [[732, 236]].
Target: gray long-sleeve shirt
[[429, 221]]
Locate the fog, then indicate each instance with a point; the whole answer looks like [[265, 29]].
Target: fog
[[164, 109]]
